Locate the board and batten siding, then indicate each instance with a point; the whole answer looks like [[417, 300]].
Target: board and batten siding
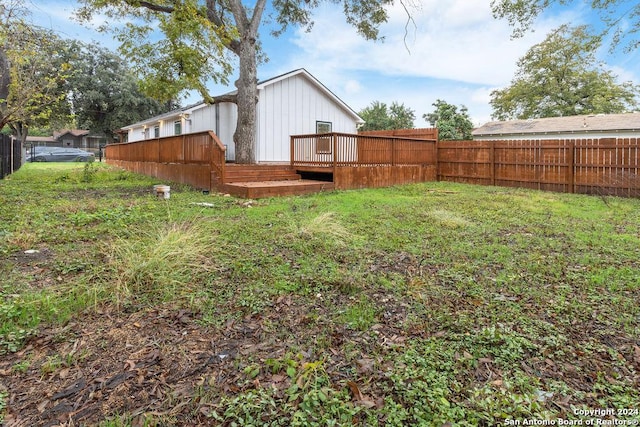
[[292, 106], [226, 113]]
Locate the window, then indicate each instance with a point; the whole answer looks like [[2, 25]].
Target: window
[[177, 127], [156, 131], [323, 143], [323, 127], [146, 133]]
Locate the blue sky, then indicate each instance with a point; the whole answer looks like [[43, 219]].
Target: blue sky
[[454, 51]]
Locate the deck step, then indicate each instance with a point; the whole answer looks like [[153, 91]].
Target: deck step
[[261, 189], [247, 173]]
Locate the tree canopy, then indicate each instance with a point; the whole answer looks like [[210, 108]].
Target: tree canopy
[[201, 38], [379, 116], [104, 93], [451, 123], [33, 69], [620, 18], [562, 77]]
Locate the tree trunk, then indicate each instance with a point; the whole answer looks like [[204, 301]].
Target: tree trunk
[[4, 86], [245, 134]]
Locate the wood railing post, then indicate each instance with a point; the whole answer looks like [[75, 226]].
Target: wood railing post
[[291, 150], [335, 152]]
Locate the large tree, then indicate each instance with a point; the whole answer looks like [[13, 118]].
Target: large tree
[[451, 123], [104, 93], [33, 70], [380, 116], [562, 77], [198, 34], [620, 18]]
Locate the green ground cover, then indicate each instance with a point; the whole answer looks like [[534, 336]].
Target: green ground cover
[[416, 305]]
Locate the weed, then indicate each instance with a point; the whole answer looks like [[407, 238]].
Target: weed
[[88, 172], [162, 263], [3, 404], [361, 315], [22, 366], [52, 364]]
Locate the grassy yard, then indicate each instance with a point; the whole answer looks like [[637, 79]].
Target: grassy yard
[[434, 304]]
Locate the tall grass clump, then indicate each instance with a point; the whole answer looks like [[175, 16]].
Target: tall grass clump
[[163, 263], [324, 226]]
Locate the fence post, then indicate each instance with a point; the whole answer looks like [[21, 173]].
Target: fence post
[[492, 160], [571, 166], [436, 144]]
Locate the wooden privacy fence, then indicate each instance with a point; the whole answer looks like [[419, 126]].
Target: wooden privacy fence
[[422, 133], [591, 166], [188, 158]]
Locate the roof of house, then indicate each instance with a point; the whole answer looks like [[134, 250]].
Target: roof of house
[[569, 124], [74, 132], [317, 83], [261, 85], [40, 139]]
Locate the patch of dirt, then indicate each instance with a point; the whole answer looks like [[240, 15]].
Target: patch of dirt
[[163, 361], [31, 257]]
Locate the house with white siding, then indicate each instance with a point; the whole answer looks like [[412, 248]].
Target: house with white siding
[[294, 103]]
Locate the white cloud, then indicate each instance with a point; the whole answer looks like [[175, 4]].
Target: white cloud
[[454, 50], [457, 40]]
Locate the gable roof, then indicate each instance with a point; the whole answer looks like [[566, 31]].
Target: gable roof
[[72, 132], [317, 83], [554, 125], [261, 85]]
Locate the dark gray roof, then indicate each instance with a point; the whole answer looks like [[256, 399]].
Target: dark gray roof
[[573, 124]]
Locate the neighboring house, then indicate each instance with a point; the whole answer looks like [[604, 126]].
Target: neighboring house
[[294, 103], [571, 127], [76, 138]]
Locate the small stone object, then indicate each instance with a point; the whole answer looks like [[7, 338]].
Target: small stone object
[[31, 251]]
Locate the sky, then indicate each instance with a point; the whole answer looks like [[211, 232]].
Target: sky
[[452, 50]]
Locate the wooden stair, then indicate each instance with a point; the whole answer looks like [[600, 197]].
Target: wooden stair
[[267, 180], [251, 173]]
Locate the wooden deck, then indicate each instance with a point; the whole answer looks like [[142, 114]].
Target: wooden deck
[[265, 180]]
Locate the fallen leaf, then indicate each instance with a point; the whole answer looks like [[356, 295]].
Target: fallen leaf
[[357, 394], [64, 373], [42, 406], [365, 365]]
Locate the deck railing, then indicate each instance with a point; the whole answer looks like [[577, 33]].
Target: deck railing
[[188, 158], [193, 148], [340, 149], [218, 156]]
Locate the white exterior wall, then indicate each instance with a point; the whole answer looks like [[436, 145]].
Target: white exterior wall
[[292, 106], [204, 119], [137, 133]]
